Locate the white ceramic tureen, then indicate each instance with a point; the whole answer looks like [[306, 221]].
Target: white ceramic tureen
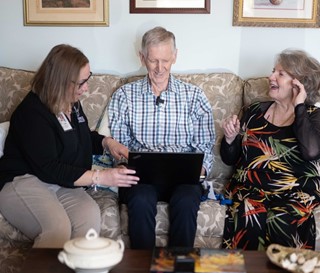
[[91, 253]]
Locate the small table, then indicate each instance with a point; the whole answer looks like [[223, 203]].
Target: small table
[[134, 261]]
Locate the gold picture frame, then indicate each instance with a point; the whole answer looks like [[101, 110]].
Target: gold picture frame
[[60, 13], [280, 13], [172, 6]]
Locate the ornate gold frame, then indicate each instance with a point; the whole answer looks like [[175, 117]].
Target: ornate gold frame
[[240, 19], [36, 15], [155, 6]]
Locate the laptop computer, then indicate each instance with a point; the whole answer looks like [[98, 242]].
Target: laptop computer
[[166, 168]]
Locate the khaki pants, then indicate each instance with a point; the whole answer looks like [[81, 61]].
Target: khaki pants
[[48, 214]]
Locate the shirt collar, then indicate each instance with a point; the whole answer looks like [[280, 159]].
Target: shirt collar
[[146, 86]]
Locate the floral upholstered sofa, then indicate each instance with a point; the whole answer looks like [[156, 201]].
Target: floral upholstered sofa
[[227, 94]]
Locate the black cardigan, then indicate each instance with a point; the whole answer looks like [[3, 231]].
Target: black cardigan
[[37, 144]]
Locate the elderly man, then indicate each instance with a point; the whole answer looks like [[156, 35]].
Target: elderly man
[[162, 113]]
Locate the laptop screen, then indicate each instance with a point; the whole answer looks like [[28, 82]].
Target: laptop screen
[[166, 167]]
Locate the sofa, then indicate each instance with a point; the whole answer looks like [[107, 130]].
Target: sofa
[[227, 94]]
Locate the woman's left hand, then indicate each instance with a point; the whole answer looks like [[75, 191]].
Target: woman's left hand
[[299, 92]]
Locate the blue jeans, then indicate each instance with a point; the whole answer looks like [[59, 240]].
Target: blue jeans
[[141, 199]]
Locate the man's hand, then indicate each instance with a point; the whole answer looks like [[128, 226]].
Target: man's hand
[[116, 149]]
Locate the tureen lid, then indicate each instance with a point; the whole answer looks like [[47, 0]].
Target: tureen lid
[[92, 244]]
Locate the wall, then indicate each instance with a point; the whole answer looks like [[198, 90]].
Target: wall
[[206, 42]]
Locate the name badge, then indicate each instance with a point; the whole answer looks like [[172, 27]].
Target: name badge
[[64, 122]]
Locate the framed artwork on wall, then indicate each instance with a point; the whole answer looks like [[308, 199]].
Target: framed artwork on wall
[[276, 13], [66, 13], [171, 6]]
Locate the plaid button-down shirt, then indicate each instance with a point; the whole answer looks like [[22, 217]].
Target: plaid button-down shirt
[[181, 122]]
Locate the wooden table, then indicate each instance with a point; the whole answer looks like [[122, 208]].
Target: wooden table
[[134, 261]]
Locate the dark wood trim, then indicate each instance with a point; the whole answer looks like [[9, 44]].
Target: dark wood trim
[[134, 261], [206, 9]]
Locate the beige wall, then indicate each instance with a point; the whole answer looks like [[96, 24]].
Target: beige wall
[[206, 42]]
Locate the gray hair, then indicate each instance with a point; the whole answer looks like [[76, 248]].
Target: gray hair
[[156, 36], [300, 65]]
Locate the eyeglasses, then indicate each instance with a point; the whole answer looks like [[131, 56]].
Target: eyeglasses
[[80, 84]]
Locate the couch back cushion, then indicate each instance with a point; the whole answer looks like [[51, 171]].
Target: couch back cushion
[[224, 92], [255, 89], [15, 84], [94, 102]]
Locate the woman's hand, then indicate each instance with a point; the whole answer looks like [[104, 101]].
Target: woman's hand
[[116, 149], [118, 177], [203, 172], [299, 92], [231, 128]]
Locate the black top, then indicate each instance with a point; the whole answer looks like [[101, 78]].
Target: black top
[[37, 144], [275, 184], [306, 130]]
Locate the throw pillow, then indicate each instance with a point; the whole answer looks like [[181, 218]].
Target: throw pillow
[[4, 127], [103, 128]]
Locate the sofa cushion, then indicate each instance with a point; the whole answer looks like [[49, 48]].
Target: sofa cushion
[[4, 127], [110, 217], [210, 222], [14, 85], [255, 89], [103, 127], [95, 100], [13, 257], [10, 234], [316, 214]]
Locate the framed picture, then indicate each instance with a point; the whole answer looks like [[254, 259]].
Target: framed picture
[[169, 6], [66, 13], [276, 13]]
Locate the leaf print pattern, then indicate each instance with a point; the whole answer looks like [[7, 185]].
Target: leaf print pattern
[[273, 190]]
